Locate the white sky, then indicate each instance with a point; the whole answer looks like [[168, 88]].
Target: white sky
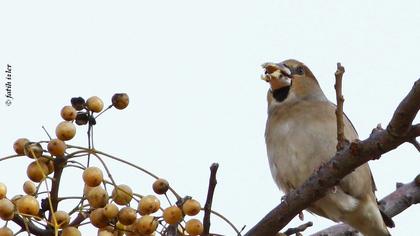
[[191, 69]]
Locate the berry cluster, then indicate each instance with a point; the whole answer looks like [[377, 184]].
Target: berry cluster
[[115, 209]]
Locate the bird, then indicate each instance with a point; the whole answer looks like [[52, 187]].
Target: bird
[[301, 135]]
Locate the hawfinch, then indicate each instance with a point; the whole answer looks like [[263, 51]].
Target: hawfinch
[[301, 135]]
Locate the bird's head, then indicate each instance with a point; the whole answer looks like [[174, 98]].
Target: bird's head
[[290, 77]]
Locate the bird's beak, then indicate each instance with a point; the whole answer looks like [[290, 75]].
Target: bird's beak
[[277, 75], [275, 71]]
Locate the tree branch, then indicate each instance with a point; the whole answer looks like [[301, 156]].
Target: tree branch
[[209, 200], [298, 229], [340, 103], [402, 198], [345, 161], [33, 229], [59, 163]]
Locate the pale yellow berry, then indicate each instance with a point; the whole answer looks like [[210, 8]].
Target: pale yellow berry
[[194, 227], [160, 186], [56, 147], [172, 215], [6, 209], [111, 210], [65, 130], [122, 194], [191, 207], [98, 219], [127, 215], [37, 171], [29, 187], [97, 197], [95, 104], [71, 231], [19, 146], [146, 224], [92, 176], [28, 205], [62, 218], [5, 231], [68, 113], [148, 204], [3, 190]]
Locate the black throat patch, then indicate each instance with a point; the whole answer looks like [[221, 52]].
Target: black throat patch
[[281, 93]]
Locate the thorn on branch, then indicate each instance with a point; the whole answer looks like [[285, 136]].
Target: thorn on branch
[[377, 129], [209, 200]]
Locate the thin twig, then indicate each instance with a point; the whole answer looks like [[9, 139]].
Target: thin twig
[[9, 157], [298, 229], [139, 168], [209, 200], [106, 109], [238, 232], [45, 130], [339, 110]]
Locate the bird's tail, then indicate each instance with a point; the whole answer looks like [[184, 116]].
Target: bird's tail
[[369, 220]]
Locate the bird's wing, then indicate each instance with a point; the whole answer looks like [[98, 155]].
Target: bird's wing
[[355, 135], [361, 175]]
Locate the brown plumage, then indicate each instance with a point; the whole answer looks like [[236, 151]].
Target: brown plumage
[[301, 135]]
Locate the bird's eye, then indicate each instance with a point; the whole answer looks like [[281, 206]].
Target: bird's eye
[[299, 70]]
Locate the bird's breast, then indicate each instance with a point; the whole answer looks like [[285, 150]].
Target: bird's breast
[[297, 144]]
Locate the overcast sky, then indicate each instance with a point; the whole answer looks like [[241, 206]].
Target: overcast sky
[[191, 69]]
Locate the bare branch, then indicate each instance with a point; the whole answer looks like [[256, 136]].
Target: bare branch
[[402, 198], [298, 229], [340, 103], [415, 144], [338, 230], [209, 200], [345, 161], [33, 229], [59, 163]]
